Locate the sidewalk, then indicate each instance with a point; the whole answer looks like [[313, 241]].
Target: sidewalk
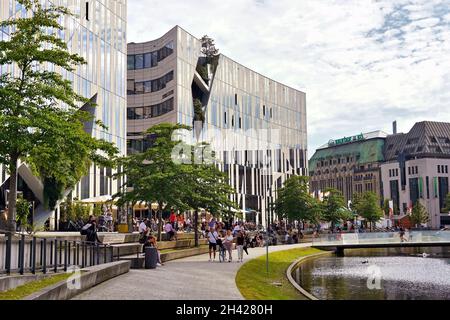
[[193, 278]]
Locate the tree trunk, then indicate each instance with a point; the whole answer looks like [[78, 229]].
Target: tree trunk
[[196, 228], [160, 222], [12, 196]]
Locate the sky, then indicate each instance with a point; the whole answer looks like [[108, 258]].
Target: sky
[[362, 63]]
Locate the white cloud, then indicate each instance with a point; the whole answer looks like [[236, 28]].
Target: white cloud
[[363, 63]]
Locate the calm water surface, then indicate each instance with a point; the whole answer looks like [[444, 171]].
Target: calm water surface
[[378, 274]]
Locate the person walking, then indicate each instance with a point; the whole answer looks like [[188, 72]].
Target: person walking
[[228, 243], [212, 239], [240, 246], [402, 235]]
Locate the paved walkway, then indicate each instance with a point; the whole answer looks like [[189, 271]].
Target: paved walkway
[[184, 279]]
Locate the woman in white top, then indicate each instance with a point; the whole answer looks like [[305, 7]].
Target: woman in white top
[[228, 243]]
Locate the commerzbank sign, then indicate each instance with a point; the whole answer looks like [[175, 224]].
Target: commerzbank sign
[[346, 140]]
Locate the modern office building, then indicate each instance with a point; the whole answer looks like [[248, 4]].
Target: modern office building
[[417, 169], [350, 165], [250, 119], [98, 33]]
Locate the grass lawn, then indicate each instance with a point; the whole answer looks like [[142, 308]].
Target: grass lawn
[[32, 287], [255, 284]]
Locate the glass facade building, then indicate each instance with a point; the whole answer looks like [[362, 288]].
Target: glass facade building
[[257, 126], [97, 32]]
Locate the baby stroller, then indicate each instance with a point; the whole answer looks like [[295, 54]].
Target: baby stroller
[[221, 250]]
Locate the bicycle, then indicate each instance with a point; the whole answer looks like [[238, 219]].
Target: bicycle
[[222, 251]]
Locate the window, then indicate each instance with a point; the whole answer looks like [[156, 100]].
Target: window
[[235, 99], [148, 60], [139, 61], [264, 111], [139, 113], [433, 140], [151, 111], [130, 62], [225, 118], [240, 123], [271, 113], [151, 85], [439, 169], [139, 88], [130, 86]]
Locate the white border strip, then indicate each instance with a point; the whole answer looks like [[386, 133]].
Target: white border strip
[[296, 263]]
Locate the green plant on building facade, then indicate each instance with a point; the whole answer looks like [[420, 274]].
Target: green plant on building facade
[[206, 68], [34, 129]]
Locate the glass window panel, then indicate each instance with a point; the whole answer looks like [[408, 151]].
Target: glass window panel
[[148, 60], [139, 88], [130, 62], [139, 62], [139, 113], [147, 86]]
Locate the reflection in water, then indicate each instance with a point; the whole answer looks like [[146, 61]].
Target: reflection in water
[[398, 274]]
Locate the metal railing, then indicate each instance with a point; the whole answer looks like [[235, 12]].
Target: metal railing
[[21, 253], [382, 238]]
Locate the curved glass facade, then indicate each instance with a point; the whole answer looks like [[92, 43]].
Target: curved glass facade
[[149, 59], [257, 126]]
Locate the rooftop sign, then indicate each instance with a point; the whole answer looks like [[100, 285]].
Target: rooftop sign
[[346, 140]]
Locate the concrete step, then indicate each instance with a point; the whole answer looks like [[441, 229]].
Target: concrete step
[[125, 249]]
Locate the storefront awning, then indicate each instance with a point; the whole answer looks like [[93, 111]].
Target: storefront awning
[[97, 200]]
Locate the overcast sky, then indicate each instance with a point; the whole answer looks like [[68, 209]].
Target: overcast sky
[[362, 63]]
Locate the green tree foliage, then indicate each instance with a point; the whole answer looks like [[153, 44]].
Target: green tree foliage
[[386, 209], [181, 182], [33, 126], [334, 207], [367, 205], [419, 215], [294, 201], [199, 115], [209, 47], [447, 204], [23, 211]]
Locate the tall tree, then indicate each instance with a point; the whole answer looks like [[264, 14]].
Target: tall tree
[[367, 205], [171, 174], [207, 187], [152, 176], [419, 215], [294, 201], [334, 207], [31, 116]]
